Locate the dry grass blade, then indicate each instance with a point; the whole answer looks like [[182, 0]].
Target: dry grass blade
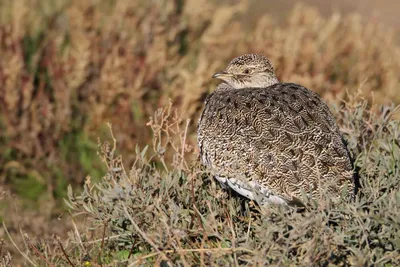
[[15, 245]]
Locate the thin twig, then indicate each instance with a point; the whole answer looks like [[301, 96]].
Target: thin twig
[[143, 234], [64, 252], [211, 250], [76, 231], [203, 240], [174, 237], [183, 144], [131, 251], [99, 240], [194, 203], [15, 245], [248, 230], [114, 140], [1, 246], [102, 242], [233, 235], [39, 254]]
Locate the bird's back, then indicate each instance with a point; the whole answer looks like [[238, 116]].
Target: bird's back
[[282, 137]]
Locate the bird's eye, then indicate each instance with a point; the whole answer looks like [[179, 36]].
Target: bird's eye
[[246, 71]]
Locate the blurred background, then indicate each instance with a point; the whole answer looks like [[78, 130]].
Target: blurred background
[[67, 67]]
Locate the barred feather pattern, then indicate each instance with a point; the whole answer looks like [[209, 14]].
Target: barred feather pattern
[[273, 144]]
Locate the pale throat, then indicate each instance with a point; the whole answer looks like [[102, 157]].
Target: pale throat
[[255, 81]]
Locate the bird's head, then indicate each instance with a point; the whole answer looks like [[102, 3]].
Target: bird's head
[[249, 70]]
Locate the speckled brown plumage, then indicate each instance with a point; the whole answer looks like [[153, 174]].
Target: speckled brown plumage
[[271, 143]]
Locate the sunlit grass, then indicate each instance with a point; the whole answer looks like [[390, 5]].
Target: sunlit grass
[[68, 67]]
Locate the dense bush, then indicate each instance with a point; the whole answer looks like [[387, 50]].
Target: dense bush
[[171, 212]]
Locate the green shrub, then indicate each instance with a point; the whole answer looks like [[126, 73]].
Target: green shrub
[[178, 215]]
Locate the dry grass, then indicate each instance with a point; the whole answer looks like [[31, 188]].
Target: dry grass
[[69, 66], [172, 213]]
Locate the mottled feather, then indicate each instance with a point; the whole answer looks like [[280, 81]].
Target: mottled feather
[[272, 143]]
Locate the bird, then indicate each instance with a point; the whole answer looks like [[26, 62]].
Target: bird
[[269, 141]]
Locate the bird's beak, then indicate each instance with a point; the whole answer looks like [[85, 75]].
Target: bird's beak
[[221, 75]]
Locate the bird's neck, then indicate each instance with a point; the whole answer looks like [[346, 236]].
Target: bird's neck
[[258, 81], [264, 82], [222, 87]]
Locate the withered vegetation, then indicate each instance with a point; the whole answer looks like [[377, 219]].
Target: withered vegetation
[[171, 211], [67, 67]]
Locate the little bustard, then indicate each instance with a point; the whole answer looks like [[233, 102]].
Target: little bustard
[[271, 142]]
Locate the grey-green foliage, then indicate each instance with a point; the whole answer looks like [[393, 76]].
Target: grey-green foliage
[[178, 215]]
